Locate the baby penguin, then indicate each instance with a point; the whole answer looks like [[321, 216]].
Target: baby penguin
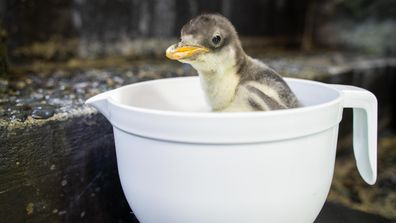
[[231, 80]]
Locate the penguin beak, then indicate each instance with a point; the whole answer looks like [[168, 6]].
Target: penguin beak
[[176, 52]]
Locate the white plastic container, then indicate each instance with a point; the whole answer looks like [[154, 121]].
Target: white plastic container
[[180, 163]]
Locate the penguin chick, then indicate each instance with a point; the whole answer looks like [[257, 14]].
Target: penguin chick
[[231, 80]]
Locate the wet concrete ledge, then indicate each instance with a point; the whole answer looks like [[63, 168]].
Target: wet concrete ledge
[[57, 157]]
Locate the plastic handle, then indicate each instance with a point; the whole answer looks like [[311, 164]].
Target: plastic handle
[[364, 105]]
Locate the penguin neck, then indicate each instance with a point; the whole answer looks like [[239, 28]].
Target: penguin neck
[[221, 80], [219, 88]]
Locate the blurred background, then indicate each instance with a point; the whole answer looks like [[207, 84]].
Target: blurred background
[[57, 158], [59, 30]]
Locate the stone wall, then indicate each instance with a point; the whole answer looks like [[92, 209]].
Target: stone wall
[[60, 171]]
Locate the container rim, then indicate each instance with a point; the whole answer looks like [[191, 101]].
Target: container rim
[[255, 114], [227, 127]]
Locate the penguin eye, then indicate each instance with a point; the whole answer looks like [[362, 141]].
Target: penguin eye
[[216, 39]]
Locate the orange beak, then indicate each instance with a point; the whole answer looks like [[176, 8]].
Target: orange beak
[[175, 52]]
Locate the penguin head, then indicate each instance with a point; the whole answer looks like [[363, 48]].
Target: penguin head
[[208, 42]]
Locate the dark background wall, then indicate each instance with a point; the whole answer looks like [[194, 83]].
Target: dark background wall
[[28, 20], [112, 27], [94, 28]]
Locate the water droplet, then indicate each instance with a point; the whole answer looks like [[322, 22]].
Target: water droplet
[[24, 101], [64, 183]]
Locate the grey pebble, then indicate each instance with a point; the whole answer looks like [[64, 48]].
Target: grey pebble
[[43, 112]]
